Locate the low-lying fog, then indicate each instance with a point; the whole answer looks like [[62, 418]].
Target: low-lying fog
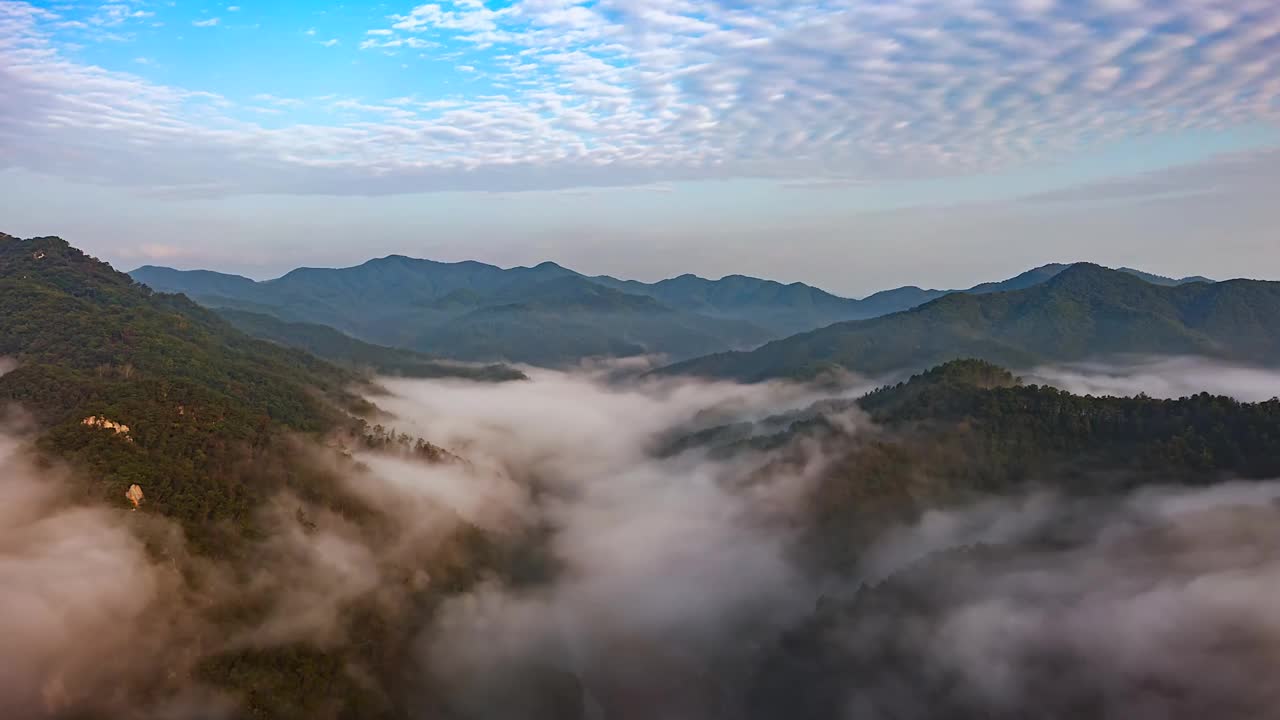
[[668, 576], [1161, 378]]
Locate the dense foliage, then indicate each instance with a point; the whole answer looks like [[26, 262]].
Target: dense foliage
[[1083, 312], [969, 429], [548, 314], [469, 311], [344, 350], [202, 403], [214, 426]]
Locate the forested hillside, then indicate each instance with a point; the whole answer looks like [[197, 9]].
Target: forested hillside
[[548, 314], [128, 387], [344, 350], [1064, 521], [1083, 312], [199, 398], [545, 315]]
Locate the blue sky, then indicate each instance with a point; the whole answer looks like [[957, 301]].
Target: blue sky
[[854, 144]]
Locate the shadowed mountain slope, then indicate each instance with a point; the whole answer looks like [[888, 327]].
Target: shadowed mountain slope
[[1083, 312], [547, 314]]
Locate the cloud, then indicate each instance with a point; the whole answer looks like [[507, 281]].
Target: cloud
[[620, 93], [276, 100], [666, 562], [669, 560], [631, 585], [1154, 605], [1230, 173], [206, 23], [157, 251], [391, 43], [114, 14], [593, 548], [88, 617], [1162, 378]]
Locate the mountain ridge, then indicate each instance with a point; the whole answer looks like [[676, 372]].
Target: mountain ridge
[[421, 305], [1019, 281], [91, 342], [206, 449], [343, 350], [1083, 310]]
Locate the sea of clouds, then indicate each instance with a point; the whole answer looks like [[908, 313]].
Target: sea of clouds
[[665, 578]]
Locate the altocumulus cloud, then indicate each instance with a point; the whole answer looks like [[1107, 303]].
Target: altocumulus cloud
[[619, 92]]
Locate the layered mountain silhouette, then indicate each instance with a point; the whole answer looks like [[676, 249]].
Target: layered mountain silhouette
[[344, 350], [1084, 311], [545, 315], [548, 314]]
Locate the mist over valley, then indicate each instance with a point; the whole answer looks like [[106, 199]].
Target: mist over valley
[[640, 360], [612, 539]]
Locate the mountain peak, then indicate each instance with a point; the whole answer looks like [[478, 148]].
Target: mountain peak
[[1084, 311], [394, 259], [1085, 266], [1087, 275]]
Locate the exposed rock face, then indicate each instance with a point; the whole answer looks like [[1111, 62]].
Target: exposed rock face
[[101, 422]]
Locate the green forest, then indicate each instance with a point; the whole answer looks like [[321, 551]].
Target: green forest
[[1084, 311]]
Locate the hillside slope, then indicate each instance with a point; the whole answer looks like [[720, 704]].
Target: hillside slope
[[960, 435], [549, 314], [346, 351], [1083, 312], [240, 449], [471, 311], [195, 394], [780, 308]]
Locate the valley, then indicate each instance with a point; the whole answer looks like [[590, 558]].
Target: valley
[[389, 534]]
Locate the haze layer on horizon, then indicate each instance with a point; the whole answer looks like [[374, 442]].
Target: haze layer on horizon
[[851, 144]]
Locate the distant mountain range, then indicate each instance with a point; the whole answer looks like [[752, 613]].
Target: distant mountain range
[[1083, 311], [544, 315], [346, 351], [548, 314]]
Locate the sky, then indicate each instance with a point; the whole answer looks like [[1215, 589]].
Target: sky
[[851, 144]]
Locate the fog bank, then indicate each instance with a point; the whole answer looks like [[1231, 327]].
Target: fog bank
[[605, 579], [1157, 605], [662, 563], [87, 615], [1172, 377]]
